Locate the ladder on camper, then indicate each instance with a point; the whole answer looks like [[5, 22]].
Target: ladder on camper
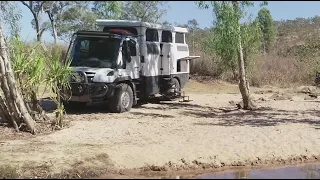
[[183, 97]]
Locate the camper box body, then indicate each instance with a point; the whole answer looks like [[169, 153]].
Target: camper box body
[[163, 53]]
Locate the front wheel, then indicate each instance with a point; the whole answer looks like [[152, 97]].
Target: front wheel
[[122, 100]]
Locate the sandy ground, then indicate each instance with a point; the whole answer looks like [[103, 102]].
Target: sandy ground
[[208, 132]]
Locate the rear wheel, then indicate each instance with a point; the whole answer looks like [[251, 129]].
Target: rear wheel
[[176, 87], [122, 100], [174, 91]]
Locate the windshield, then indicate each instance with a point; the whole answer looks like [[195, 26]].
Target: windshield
[[95, 52]]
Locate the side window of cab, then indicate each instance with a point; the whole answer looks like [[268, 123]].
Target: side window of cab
[[132, 46]]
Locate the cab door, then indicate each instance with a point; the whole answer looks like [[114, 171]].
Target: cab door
[[130, 47]]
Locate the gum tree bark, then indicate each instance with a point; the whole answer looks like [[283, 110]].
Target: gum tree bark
[[12, 105], [243, 83]]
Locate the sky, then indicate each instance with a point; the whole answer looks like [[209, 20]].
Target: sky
[[182, 11]]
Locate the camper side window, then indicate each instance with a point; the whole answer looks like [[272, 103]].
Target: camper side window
[[166, 36], [152, 35], [180, 38]]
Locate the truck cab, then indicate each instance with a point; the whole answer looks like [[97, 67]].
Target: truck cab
[[101, 61]]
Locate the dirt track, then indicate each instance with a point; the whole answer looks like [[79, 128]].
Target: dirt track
[[207, 132]]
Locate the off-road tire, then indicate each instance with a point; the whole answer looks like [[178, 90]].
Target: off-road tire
[[177, 84], [119, 105], [168, 96]]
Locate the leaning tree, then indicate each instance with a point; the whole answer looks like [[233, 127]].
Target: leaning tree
[[230, 40]]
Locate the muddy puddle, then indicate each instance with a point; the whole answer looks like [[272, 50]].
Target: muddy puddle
[[310, 171]]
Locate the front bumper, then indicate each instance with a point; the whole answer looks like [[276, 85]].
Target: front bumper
[[90, 92]]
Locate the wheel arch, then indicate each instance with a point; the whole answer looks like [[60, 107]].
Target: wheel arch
[[127, 80], [176, 77]]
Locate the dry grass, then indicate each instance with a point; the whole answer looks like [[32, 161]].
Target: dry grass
[[206, 65], [268, 69], [87, 168], [279, 71], [8, 172]]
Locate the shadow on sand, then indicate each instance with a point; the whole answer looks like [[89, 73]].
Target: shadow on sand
[[49, 106], [228, 116]]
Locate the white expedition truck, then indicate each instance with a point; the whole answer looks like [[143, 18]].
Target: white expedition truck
[[127, 63]]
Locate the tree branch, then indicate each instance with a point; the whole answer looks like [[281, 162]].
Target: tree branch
[[145, 12], [41, 31], [49, 15], [29, 7], [40, 7]]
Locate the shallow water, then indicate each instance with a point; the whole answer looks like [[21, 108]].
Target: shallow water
[[311, 171]]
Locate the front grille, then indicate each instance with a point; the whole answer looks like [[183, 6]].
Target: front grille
[[90, 76], [77, 77], [80, 87]]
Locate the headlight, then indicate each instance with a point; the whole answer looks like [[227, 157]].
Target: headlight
[[111, 73], [99, 89]]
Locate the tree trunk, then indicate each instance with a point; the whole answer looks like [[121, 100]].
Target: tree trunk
[[12, 103], [243, 84], [38, 29], [37, 107], [193, 43], [264, 45], [54, 29]]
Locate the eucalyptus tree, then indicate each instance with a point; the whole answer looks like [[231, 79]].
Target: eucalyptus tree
[[147, 11], [231, 39], [267, 28]]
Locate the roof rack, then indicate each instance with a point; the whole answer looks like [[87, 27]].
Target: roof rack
[[101, 33], [128, 23]]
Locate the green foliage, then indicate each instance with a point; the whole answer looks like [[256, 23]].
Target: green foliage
[[37, 9], [224, 38], [10, 16], [267, 28], [107, 9], [57, 79], [28, 65], [251, 36], [73, 17], [35, 65], [147, 11], [78, 16]]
